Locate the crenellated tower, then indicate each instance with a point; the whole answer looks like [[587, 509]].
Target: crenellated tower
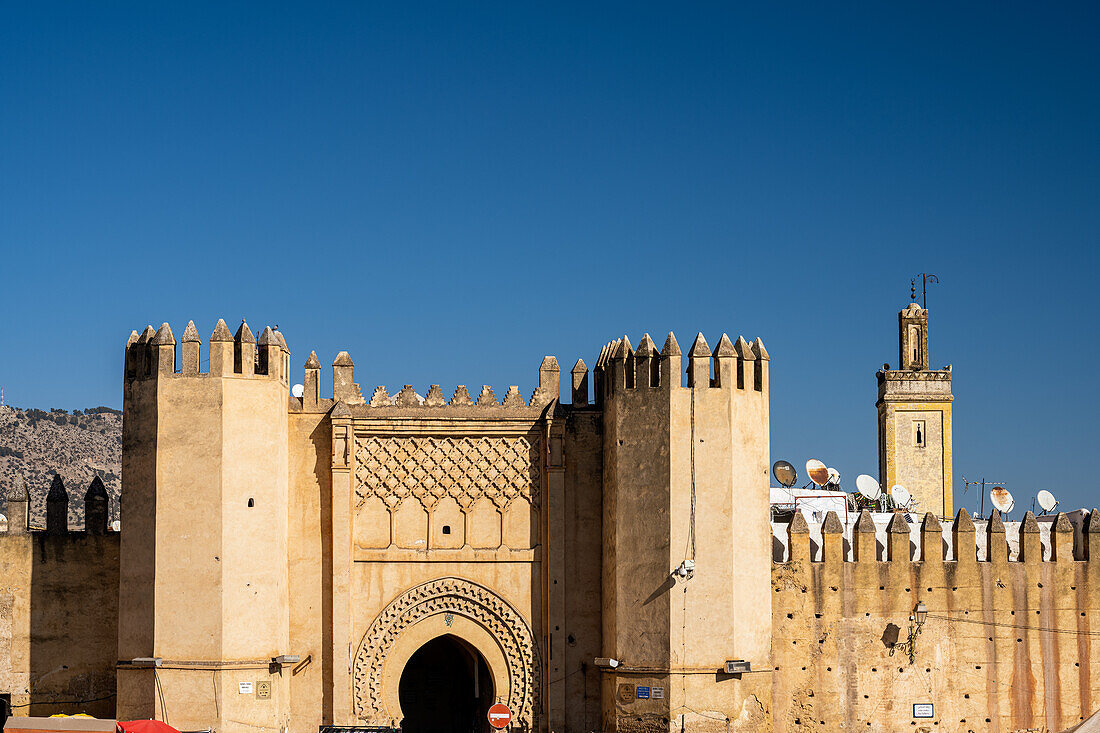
[[914, 419], [203, 559], [687, 547]]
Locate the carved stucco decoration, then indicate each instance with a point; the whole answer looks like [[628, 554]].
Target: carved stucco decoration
[[462, 598], [430, 468]]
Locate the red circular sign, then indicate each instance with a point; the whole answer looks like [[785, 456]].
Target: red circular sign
[[499, 715]]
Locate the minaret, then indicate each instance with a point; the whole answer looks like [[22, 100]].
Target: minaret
[[914, 419]]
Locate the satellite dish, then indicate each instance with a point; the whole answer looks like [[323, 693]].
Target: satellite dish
[[1047, 501], [298, 390], [1001, 499], [817, 471], [116, 526], [900, 495], [868, 487], [784, 473], [834, 477]]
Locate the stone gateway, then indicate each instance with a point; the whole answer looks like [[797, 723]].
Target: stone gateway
[[606, 563]]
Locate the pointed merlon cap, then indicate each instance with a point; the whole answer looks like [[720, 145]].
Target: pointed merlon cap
[[163, 336], [267, 337], [57, 490], [996, 524], [700, 347], [759, 350], [221, 332], [898, 525], [18, 491], [646, 348], [1062, 523], [743, 349], [579, 367], [281, 340], [96, 490], [343, 359], [147, 335], [1029, 525], [313, 362], [832, 524], [340, 409], [132, 340], [549, 364], [798, 524], [865, 523], [624, 349], [244, 335], [1092, 524], [725, 347], [963, 522], [671, 348], [930, 523], [191, 334]]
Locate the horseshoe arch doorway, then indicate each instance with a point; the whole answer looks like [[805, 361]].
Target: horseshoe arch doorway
[[445, 687]]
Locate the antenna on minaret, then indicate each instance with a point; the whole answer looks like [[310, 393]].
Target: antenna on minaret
[[926, 277]]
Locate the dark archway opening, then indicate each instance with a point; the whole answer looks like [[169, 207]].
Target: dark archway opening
[[445, 687]]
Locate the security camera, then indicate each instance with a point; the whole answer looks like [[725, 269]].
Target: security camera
[[686, 569]]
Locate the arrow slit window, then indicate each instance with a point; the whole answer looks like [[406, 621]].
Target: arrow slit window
[[920, 435]]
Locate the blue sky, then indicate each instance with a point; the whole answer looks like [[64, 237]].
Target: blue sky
[[450, 193]]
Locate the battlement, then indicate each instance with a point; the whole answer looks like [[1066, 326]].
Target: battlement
[[732, 365], [898, 537], [153, 354], [347, 391], [96, 510]]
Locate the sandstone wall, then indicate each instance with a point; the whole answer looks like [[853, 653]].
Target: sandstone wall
[[1008, 645], [58, 616]]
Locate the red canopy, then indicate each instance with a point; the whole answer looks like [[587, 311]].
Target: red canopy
[[144, 726]]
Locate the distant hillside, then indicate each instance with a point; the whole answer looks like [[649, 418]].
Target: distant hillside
[[36, 444]]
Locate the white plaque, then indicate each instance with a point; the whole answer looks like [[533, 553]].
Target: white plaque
[[244, 688], [923, 710]]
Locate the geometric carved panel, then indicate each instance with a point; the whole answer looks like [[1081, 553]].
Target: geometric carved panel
[[430, 468]]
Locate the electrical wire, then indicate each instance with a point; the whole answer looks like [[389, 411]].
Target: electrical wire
[[63, 702]]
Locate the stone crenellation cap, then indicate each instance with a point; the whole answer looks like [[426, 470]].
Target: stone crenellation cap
[[891, 537], [154, 354], [736, 365]]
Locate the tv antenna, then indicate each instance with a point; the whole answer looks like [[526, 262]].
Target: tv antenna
[[784, 473], [1047, 501], [926, 277], [868, 488], [901, 496], [981, 494], [1001, 499], [817, 471]]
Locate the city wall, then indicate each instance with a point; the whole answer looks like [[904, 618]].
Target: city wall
[[1009, 644], [59, 607]]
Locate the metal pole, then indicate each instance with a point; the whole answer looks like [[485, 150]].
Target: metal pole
[[983, 499]]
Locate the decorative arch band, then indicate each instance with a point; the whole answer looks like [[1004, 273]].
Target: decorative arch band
[[462, 598]]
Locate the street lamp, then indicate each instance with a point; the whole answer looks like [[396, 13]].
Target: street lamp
[[916, 621]]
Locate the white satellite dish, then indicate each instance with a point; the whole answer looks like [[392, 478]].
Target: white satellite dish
[[868, 487], [817, 471], [1047, 501], [834, 477], [298, 390], [116, 526], [1001, 499], [900, 495]]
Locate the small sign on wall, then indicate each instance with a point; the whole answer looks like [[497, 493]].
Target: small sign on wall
[[657, 693], [923, 710], [643, 692], [263, 690], [244, 688]]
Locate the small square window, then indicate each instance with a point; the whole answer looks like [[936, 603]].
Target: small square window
[[446, 529]]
